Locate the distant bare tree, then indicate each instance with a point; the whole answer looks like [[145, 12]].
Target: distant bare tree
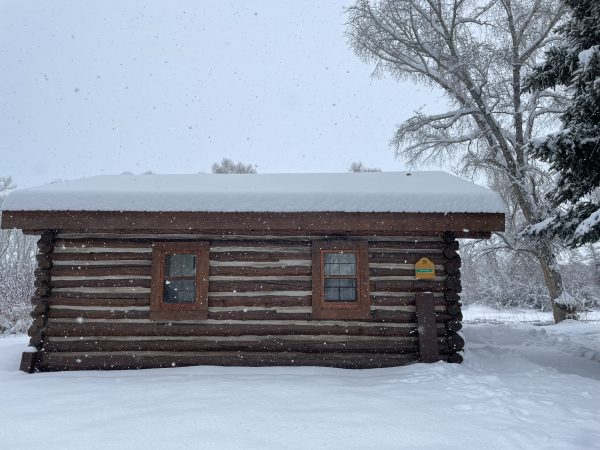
[[505, 279], [593, 250], [474, 51], [228, 166], [17, 263], [6, 184], [358, 166]]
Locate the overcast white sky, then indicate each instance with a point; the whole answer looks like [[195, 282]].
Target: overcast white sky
[[111, 86]]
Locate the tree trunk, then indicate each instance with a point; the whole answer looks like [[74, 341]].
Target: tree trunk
[[554, 283], [547, 261]]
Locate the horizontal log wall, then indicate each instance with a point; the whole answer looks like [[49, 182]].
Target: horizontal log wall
[[93, 303]]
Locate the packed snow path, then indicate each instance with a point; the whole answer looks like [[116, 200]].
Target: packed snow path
[[521, 387]]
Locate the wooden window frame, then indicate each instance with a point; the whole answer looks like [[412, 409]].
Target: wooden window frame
[[159, 310], [341, 310]]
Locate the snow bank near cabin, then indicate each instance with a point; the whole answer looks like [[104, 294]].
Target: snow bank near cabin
[[478, 313], [521, 387], [433, 191]]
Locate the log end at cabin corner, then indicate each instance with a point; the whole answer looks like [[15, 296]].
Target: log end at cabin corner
[[357, 270]]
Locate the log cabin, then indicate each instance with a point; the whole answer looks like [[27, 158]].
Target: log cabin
[[351, 270]]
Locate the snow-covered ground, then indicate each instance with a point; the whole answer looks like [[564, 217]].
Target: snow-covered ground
[[521, 387], [478, 313]]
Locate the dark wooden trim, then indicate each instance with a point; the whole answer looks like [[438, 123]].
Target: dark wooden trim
[[127, 241], [107, 295], [262, 315], [454, 358], [258, 256], [359, 310], [407, 286], [95, 271], [246, 271], [251, 343], [39, 310], [243, 314], [409, 300], [406, 258], [76, 329], [110, 256], [59, 313], [141, 360], [404, 245], [313, 223], [427, 327], [159, 310], [455, 342], [29, 361], [386, 272], [98, 301], [393, 316], [264, 301], [132, 282], [454, 326]]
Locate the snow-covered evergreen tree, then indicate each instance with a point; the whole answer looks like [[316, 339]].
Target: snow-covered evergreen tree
[[574, 152]]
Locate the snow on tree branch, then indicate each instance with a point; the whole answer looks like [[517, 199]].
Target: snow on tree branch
[[573, 153]]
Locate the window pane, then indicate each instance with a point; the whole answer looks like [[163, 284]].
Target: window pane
[[183, 265], [179, 291], [340, 264], [340, 289]]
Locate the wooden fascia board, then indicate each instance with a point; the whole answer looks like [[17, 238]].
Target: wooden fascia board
[[462, 224]]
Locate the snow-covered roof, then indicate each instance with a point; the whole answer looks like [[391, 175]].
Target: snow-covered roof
[[430, 191]]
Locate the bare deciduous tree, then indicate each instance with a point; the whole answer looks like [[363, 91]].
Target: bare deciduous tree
[[358, 166], [228, 166], [17, 263], [506, 279], [475, 53]]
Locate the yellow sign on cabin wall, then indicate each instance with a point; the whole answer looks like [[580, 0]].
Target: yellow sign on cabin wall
[[424, 269]]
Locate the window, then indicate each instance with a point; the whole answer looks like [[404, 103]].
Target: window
[[179, 281], [340, 280]]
